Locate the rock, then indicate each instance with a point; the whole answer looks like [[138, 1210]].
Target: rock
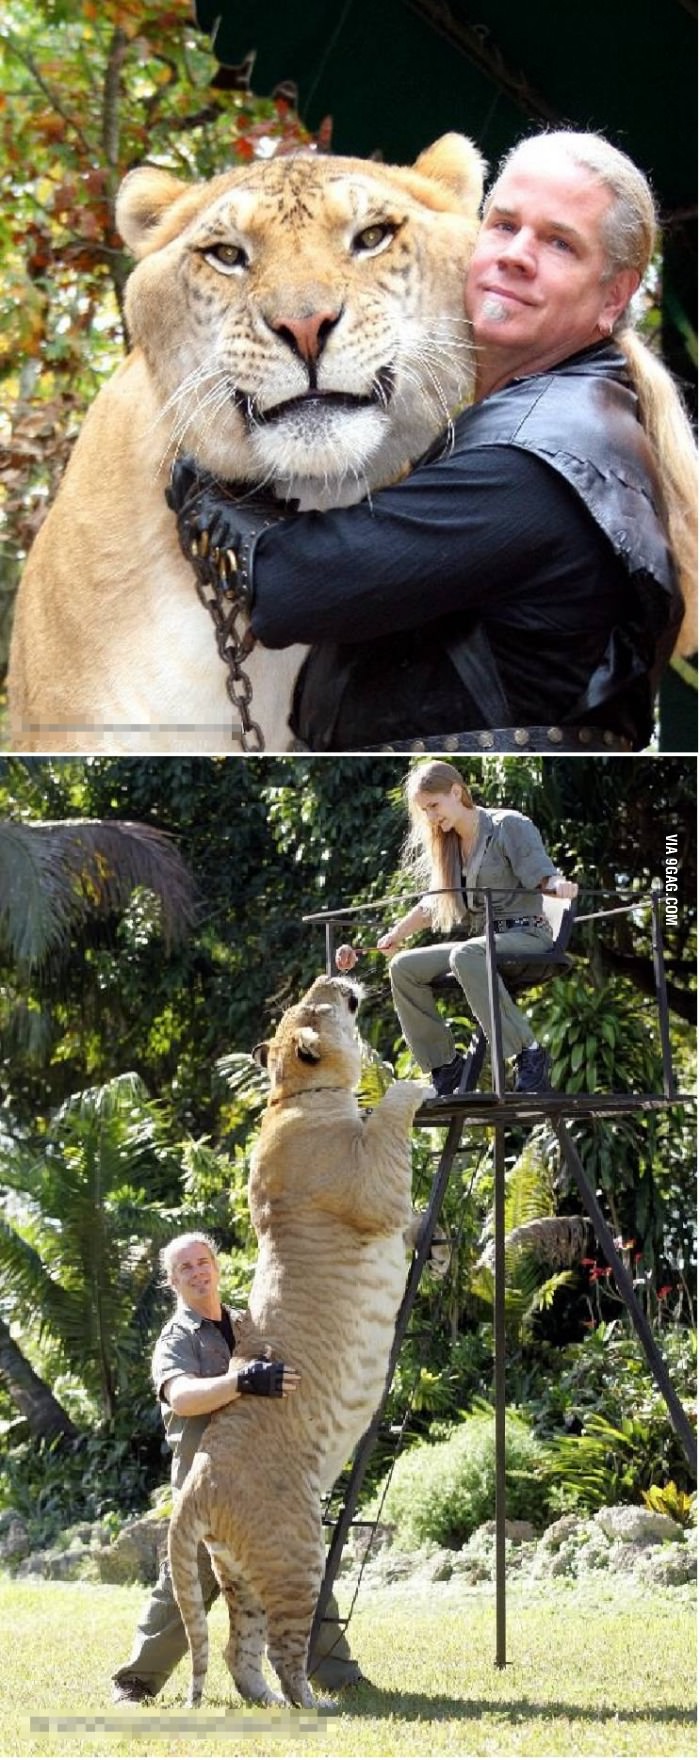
[[550, 1563], [135, 1556], [390, 1567], [520, 1532], [594, 1554], [100, 1534], [60, 1565], [561, 1530], [14, 1538], [367, 1539], [33, 1566], [516, 1531], [7, 1517], [669, 1565], [637, 1526], [439, 1567], [625, 1555]]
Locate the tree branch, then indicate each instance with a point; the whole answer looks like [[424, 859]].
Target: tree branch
[[641, 973], [45, 1416], [112, 91], [53, 98]]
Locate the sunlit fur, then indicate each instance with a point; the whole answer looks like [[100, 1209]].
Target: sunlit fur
[[330, 1199]]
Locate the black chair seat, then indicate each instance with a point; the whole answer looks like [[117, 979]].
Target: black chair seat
[[524, 974]]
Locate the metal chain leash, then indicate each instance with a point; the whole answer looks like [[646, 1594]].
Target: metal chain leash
[[215, 573]]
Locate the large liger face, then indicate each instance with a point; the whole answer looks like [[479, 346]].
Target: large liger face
[[316, 1043], [303, 319]]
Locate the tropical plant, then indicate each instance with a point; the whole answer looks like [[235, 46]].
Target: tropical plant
[[540, 1246], [57, 875], [597, 1405], [41, 1410], [103, 1476], [610, 1463], [669, 1500], [441, 1491], [604, 1039], [80, 1237]]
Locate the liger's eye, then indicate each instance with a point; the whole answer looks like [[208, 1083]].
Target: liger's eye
[[373, 238], [227, 258]]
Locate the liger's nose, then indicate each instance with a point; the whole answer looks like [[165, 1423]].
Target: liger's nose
[[306, 336]]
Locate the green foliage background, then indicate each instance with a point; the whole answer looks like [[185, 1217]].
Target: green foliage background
[[90, 88]]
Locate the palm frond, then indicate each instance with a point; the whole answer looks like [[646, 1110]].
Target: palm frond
[[550, 1240], [536, 1242], [53, 874], [121, 1099], [32, 1289], [243, 1076], [528, 1198], [544, 1294]]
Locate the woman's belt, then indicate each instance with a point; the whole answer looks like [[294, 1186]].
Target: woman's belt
[[502, 924], [514, 739]]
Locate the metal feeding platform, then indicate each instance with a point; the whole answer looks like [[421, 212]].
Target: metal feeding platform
[[501, 1111], [527, 1109]]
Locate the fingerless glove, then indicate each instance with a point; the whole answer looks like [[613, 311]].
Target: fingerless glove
[[264, 1379], [218, 526]]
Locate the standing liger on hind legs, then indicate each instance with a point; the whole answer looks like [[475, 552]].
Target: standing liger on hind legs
[[330, 1200]]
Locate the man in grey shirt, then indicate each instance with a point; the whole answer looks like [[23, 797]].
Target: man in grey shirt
[[194, 1376]]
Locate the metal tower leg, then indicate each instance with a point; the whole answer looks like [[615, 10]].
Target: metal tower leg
[[626, 1289]]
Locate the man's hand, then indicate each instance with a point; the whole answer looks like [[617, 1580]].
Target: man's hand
[[269, 1380], [218, 526]]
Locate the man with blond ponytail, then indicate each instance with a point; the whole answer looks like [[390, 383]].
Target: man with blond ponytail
[[524, 586]]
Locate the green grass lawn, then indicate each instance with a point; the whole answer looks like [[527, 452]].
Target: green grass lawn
[[592, 1672]]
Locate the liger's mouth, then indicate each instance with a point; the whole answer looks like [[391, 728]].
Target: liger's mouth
[[379, 396]]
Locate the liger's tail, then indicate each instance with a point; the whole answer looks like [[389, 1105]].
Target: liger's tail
[[184, 1539]]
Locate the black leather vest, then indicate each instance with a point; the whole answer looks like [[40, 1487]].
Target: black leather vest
[[582, 421]]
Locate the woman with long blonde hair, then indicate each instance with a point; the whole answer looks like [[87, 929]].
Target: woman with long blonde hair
[[457, 848]]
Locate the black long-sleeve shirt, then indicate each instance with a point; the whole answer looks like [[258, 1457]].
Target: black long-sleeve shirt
[[487, 533]]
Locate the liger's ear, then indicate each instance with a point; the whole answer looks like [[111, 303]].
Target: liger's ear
[[306, 1044], [455, 162], [261, 1053], [146, 197]]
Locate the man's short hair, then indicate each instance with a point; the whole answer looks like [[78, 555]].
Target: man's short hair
[[193, 1239]]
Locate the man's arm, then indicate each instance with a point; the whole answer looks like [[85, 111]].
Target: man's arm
[[460, 535], [190, 1396]]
